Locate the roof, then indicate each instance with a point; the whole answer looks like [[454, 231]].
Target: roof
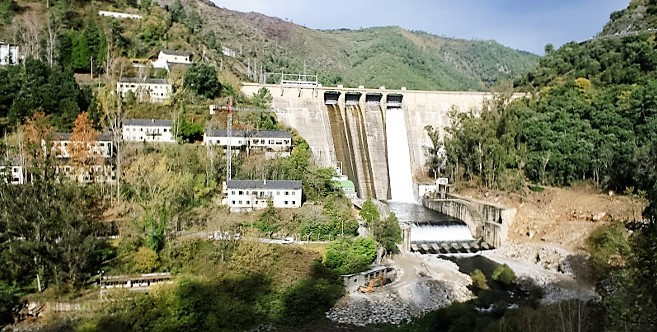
[[67, 136], [178, 53], [264, 184], [143, 81], [249, 133], [346, 184], [148, 123]]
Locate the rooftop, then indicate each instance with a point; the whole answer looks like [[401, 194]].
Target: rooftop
[[142, 81], [249, 133], [67, 137], [178, 53], [346, 184], [148, 123], [264, 184]]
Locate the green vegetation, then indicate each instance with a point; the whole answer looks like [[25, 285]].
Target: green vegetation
[[504, 274], [37, 86], [350, 256], [587, 118], [202, 79], [385, 231], [479, 279]]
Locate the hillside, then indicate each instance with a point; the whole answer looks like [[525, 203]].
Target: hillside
[[389, 56], [638, 16]]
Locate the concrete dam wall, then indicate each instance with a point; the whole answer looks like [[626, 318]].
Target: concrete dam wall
[[345, 127], [485, 220]]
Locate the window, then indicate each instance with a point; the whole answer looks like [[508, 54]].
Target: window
[[232, 192], [285, 202], [287, 193], [240, 202], [233, 202], [248, 202], [165, 130], [278, 193], [294, 202], [241, 192]]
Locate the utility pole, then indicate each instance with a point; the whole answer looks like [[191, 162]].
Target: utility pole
[[229, 132], [92, 68]]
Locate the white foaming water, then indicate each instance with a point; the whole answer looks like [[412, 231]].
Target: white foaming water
[[430, 233], [399, 158]]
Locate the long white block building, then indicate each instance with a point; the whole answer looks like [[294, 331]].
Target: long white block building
[[148, 130], [249, 195], [275, 143], [153, 90], [62, 144]]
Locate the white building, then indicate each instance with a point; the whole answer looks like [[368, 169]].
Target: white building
[[148, 130], [9, 54], [12, 174], [249, 195], [120, 16], [154, 90], [87, 174], [228, 52], [275, 143], [167, 59], [62, 144]]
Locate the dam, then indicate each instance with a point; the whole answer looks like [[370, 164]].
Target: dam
[[346, 128]]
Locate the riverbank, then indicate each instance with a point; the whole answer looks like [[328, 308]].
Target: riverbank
[[423, 284]]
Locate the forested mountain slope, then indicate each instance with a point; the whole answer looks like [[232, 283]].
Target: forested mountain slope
[[389, 56]]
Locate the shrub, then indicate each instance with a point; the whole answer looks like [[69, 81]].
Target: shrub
[[145, 260], [479, 279], [350, 256], [504, 274]]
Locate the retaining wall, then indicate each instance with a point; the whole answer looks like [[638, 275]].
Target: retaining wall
[[487, 221]]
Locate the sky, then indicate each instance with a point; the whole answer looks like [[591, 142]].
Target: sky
[[520, 24]]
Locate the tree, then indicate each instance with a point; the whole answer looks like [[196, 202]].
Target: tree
[[262, 98], [504, 274], [350, 256], [112, 117], [387, 232], [145, 260], [370, 213], [83, 143], [479, 279], [202, 79]]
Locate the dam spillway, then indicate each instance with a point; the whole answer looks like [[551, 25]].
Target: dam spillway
[[306, 109]]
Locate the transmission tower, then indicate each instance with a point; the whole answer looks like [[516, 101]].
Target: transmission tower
[[229, 132]]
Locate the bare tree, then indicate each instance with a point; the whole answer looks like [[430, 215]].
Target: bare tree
[[51, 41], [28, 30], [113, 116]]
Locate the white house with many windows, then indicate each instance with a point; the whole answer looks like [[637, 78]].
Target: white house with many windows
[[275, 143], [154, 90], [9, 54], [167, 59], [87, 174], [249, 195], [12, 174], [148, 130], [62, 145]]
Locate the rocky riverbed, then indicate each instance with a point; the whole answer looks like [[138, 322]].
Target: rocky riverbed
[[423, 284]]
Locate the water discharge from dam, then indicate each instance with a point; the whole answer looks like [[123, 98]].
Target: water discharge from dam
[[426, 225], [399, 158]]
